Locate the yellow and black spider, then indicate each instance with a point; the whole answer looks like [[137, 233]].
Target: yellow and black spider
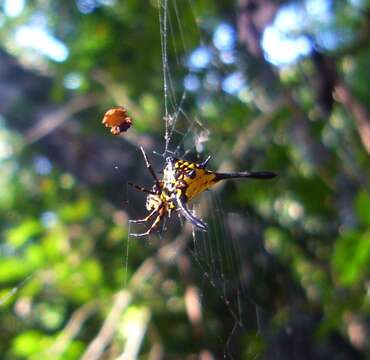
[[182, 181]]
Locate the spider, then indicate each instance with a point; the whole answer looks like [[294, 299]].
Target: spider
[[182, 181]]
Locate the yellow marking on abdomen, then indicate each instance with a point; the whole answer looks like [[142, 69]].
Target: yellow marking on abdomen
[[201, 182]]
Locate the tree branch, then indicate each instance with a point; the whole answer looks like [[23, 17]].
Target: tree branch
[[360, 114], [106, 333]]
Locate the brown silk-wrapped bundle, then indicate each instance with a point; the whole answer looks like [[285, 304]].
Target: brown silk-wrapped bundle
[[117, 120]]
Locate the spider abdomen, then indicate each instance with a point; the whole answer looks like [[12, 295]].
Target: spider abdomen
[[203, 180]]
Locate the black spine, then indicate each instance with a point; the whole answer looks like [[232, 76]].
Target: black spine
[[246, 174]]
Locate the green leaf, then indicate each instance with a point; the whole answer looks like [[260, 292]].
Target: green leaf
[[351, 257], [362, 205], [76, 211], [13, 269], [30, 342], [92, 271], [26, 230]]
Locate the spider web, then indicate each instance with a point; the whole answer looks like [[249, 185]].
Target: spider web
[[217, 253]]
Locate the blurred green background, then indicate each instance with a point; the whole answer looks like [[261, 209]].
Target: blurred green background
[[264, 85]]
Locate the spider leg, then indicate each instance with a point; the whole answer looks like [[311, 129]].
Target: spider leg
[[147, 218], [181, 204], [140, 188], [150, 167], [155, 224]]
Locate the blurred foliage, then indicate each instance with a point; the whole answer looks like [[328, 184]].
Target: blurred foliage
[[67, 262]]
